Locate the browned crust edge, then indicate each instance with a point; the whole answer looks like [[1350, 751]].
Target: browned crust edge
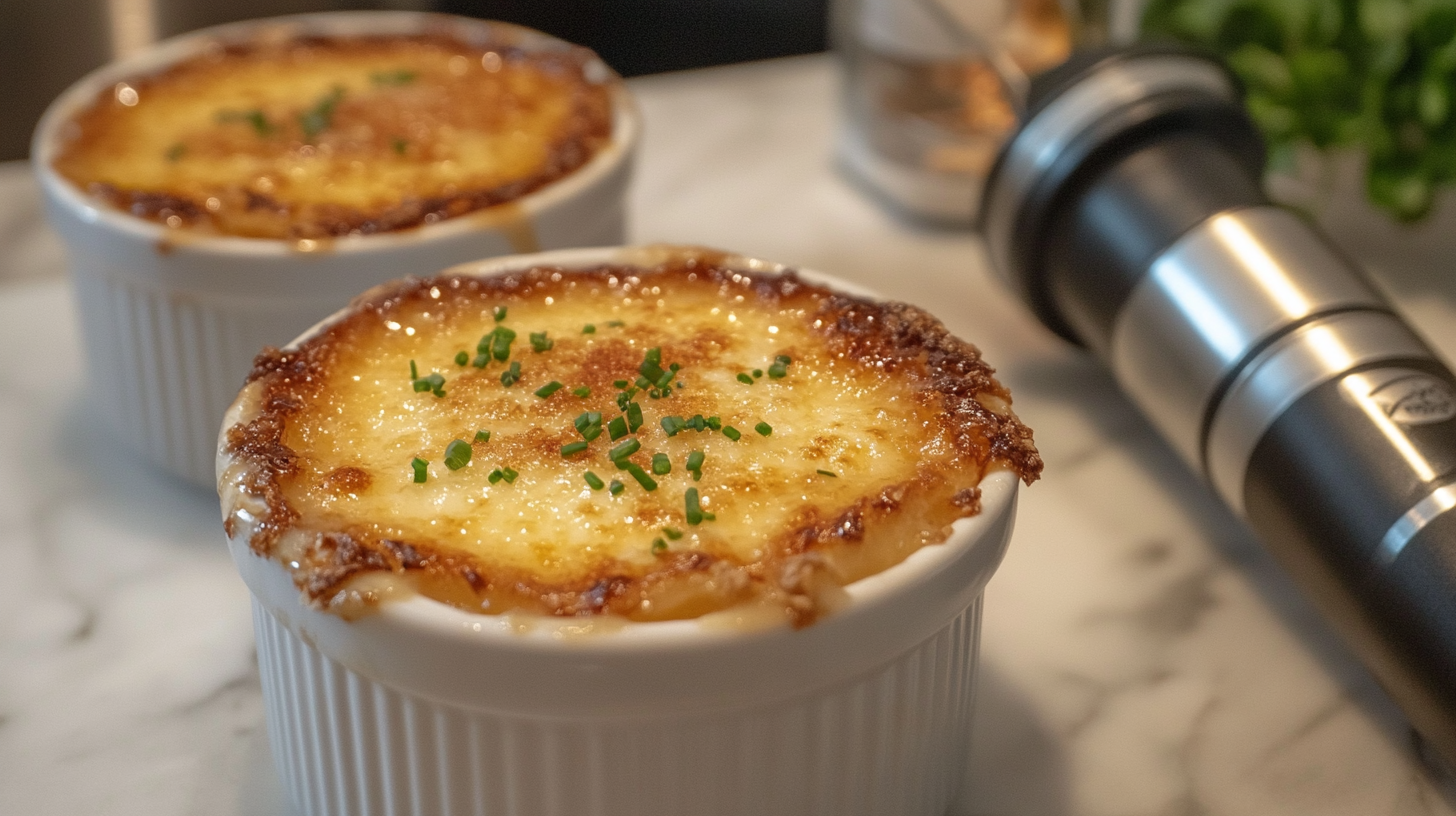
[[892, 336], [590, 130]]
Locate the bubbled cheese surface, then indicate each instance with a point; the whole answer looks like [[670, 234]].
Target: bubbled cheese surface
[[327, 137]]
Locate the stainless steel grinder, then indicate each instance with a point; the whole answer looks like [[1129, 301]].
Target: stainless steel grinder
[[1128, 214]]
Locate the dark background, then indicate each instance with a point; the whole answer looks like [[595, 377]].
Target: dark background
[[46, 45]]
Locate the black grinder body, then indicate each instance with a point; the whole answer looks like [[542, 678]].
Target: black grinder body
[[1127, 212]]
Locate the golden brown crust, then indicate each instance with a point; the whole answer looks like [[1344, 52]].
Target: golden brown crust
[[804, 558], [384, 127]]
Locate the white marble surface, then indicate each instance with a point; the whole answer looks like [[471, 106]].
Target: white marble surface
[[1141, 656]]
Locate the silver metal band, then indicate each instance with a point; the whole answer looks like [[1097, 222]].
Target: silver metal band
[[1210, 300], [1313, 354], [1053, 129], [1406, 527]]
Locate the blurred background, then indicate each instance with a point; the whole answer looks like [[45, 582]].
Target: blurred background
[[44, 46]]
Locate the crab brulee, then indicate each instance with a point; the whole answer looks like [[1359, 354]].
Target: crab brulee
[[651, 441], [308, 137]]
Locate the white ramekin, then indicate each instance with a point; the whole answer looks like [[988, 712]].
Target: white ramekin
[[171, 320], [423, 709]]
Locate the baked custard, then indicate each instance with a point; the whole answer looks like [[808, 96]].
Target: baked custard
[[314, 137], [652, 440]]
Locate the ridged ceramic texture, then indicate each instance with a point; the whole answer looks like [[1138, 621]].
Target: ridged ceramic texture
[[890, 743]]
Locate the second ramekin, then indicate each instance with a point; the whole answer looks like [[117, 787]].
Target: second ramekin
[[172, 320], [420, 708]]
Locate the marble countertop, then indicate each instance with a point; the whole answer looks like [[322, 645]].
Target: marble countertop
[[1141, 656]]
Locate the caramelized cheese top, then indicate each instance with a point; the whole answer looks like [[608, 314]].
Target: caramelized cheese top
[[863, 447], [311, 138]]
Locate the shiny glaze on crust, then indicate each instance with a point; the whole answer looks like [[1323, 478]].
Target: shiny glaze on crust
[[396, 153], [843, 529]]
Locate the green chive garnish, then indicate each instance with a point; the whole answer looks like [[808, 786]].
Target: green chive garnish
[[831, 474], [572, 448], [509, 475], [551, 388], [617, 428], [672, 533], [582, 392], [593, 480], [622, 450], [615, 324], [695, 464], [695, 512], [421, 470], [317, 119], [641, 476], [757, 372], [634, 416], [435, 384], [499, 313], [589, 329], [481, 360], [780, 367], [745, 379], [659, 546], [615, 488], [731, 432], [715, 423], [495, 476], [462, 357], [512, 375], [661, 465], [457, 454], [763, 428], [589, 425], [500, 348], [673, 425], [482, 436], [540, 342], [620, 383], [414, 372]]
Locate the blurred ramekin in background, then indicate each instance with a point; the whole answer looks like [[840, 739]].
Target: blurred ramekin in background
[[172, 319]]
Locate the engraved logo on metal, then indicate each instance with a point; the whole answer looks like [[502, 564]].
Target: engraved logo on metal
[[1414, 398]]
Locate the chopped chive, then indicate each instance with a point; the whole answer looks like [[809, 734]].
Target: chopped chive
[[659, 546], [400, 77], [589, 329], [548, 389], [509, 475], [731, 432], [653, 356], [589, 425], [615, 324], [622, 400], [414, 372], [673, 425], [679, 384], [647, 482], [745, 379], [617, 428], [831, 474], [615, 488], [780, 367], [540, 342], [570, 449], [499, 314], [695, 512], [482, 436], [317, 119], [672, 533], [634, 416], [457, 454], [665, 381], [715, 423], [481, 360], [642, 383], [582, 392], [435, 384], [654, 394], [622, 450], [593, 480], [695, 463], [697, 423], [421, 468], [757, 372], [620, 383], [763, 428], [512, 375], [661, 465], [462, 357], [500, 348], [674, 368], [495, 476]]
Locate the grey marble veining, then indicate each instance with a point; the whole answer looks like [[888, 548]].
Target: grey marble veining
[[1142, 656]]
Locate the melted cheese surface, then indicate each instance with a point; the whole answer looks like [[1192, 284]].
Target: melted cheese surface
[[330, 137]]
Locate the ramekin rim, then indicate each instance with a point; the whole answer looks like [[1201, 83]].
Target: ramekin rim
[[626, 134]]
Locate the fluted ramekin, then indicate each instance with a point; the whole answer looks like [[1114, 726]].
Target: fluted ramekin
[[172, 320], [420, 708]]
